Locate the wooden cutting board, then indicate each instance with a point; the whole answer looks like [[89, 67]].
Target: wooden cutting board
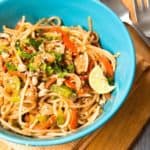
[[123, 129]]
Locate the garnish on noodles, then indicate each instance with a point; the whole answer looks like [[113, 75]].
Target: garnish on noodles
[[54, 79]]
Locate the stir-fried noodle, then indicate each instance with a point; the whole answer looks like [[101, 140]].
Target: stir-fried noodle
[[44, 77]]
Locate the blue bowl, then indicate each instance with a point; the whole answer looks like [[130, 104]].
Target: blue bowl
[[114, 37]]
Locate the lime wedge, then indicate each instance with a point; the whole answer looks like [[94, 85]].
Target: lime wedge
[[98, 81]]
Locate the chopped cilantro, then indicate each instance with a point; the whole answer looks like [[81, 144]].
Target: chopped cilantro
[[70, 68], [22, 53], [35, 43], [57, 68], [10, 66], [58, 57], [25, 55], [62, 74], [32, 68], [49, 70], [110, 80]]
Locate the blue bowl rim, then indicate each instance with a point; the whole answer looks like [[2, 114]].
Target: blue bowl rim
[[95, 126]]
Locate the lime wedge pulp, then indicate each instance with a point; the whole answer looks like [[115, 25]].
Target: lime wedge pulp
[[98, 81]]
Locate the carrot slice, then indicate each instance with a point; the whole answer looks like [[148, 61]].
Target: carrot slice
[[74, 119], [50, 82], [91, 65], [66, 39], [47, 124], [69, 83], [107, 65], [19, 74], [69, 44]]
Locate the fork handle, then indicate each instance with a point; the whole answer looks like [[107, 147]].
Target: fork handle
[[141, 34], [126, 19]]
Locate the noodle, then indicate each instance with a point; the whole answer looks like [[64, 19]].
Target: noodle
[[45, 88], [21, 101]]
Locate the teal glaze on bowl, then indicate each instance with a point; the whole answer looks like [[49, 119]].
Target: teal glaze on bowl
[[113, 35]]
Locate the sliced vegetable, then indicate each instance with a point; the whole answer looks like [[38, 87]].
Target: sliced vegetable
[[12, 85], [60, 118], [71, 68], [74, 79], [62, 74], [1, 51], [50, 82], [69, 82], [10, 66], [17, 45], [69, 44], [22, 53], [43, 67], [46, 124], [18, 74], [42, 118], [32, 67], [74, 119], [35, 43], [91, 65], [57, 68], [58, 57], [107, 65], [62, 90], [15, 99], [15, 83], [66, 39], [49, 70], [25, 55]]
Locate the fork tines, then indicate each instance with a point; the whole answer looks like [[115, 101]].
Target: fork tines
[[142, 4]]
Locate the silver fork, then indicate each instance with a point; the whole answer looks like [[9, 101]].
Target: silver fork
[[142, 12], [123, 13]]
